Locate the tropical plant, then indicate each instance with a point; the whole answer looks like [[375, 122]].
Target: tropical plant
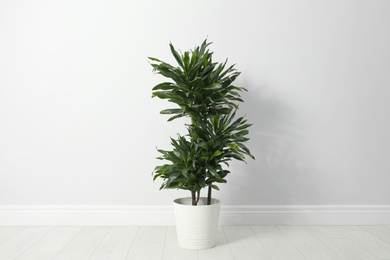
[[203, 92]]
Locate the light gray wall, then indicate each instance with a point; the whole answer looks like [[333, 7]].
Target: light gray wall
[[79, 127]]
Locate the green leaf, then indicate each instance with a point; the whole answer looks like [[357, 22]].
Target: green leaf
[[154, 59], [176, 55], [164, 86], [215, 187], [214, 172], [175, 117], [186, 60], [162, 94], [184, 171], [171, 111], [215, 154]]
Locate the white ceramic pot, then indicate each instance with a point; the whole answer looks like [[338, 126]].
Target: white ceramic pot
[[196, 226]]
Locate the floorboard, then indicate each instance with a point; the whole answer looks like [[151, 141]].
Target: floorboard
[[308, 244], [276, 244], [367, 241], [8, 232], [116, 244], [51, 243], [148, 243], [243, 243], [82, 246], [348, 249], [160, 243], [380, 232], [17, 244]]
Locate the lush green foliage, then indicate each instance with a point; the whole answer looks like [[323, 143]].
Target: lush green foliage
[[202, 91]]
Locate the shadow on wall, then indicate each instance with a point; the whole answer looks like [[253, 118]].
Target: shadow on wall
[[280, 175]]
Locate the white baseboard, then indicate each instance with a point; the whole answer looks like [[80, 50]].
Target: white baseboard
[[306, 215], [163, 215]]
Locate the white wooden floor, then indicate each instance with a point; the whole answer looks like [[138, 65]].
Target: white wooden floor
[[234, 242]]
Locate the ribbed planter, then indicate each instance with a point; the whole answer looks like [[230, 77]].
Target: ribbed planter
[[196, 226]]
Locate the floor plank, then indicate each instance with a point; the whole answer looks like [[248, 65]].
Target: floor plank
[[308, 244], [8, 232], [381, 232], [243, 243], [325, 232], [369, 242], [172, 251], [221, 251], [83, 245], [51, 243], [37, 256], [116, 244], [348, 249], [148, 243], [276, 244], [20, 242], [233, 242]]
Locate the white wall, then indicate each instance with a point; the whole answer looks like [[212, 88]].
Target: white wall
[[79, 127]]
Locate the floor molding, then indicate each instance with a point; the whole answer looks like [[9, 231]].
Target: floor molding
[[163, 215]]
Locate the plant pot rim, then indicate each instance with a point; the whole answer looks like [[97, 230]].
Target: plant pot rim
[[187, 201]]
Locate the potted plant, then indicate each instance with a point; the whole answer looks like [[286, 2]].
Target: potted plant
[[203, 92]]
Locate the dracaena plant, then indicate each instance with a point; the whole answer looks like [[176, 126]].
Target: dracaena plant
[[202, 91]]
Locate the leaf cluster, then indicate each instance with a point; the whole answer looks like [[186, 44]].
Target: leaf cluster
[[202, 90], [200, 87]]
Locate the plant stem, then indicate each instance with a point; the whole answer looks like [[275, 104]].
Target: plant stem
[[194, 202], [209, 196]]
